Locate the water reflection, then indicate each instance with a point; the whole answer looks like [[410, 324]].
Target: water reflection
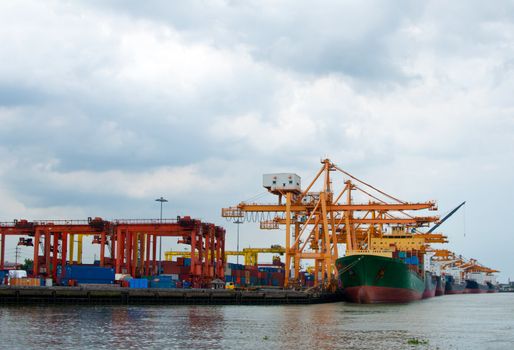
[[467, 321]]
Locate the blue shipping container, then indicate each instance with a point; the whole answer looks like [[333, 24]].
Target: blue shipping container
[[138, 283], [163, 284], [65, 281], [87, 274]]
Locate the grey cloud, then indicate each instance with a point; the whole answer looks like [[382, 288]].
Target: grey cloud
[[65, 108], [12, 95], [322, 38]]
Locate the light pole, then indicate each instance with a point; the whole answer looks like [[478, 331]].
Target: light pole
[[162, 200], [237, 222]]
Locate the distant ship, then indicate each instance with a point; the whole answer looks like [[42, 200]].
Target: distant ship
[[454, 286], [430, 285], [440, 285], [480, 282]]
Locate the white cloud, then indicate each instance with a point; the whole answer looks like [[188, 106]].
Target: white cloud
[[104, 107]]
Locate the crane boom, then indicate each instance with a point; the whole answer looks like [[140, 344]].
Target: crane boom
[[446, 217]]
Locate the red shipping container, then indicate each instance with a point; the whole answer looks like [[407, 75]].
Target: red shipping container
[[184, 269], [175, 270], [180, 261]]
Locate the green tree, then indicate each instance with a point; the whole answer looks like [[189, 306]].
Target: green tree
[[27, 265]]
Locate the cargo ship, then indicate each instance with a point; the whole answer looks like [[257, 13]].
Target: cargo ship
[[369, 279], [473, 287], [391, 271], [469, 277], [493, 287], [453, 285], [479, 279], [450, 268], [440, 285], [430, 285], [434, 264], [480, 282]]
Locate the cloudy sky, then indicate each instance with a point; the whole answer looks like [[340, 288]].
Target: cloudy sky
[[107, 105]]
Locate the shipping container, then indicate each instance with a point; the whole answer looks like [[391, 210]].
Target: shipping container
[[86, 274], [17, 273], [158, 283], [138, 283], [32, 282]]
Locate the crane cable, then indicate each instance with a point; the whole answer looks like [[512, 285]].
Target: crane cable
[[370, 186]]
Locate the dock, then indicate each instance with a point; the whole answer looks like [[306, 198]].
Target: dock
[[101, 295]]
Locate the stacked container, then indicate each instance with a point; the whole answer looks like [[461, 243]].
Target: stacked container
[[86, 274], [243, 276]]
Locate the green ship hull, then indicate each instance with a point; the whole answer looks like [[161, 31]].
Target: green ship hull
[[378, 279]]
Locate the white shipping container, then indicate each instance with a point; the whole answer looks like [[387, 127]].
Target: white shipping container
[[122, 277], [17, 273]]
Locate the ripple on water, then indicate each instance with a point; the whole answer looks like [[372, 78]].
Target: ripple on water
[[451, 322]]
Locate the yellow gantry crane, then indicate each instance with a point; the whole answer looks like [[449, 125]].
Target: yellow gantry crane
[[251, 255], [317, 221]]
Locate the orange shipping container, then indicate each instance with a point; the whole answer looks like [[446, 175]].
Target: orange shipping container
[[26, 282]]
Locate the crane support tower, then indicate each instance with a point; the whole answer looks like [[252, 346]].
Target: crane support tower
[[128, 246], [319, 218]]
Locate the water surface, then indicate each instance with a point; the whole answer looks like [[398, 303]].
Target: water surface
[[481, 321]]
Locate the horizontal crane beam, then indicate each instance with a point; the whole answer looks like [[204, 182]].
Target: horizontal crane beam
[[369, 221], [242, 208]]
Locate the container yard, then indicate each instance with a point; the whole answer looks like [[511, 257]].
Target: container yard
[[360, 244]]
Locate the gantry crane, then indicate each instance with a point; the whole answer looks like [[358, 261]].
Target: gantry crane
[[130, 244], [448, 259], [474, 266], [251, 255], [316, 221]]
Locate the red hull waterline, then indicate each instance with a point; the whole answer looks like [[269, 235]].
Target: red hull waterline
[[448, 292], [429, 294], [375, 295], [474, 291]]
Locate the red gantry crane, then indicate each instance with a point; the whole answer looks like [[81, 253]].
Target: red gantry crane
[[129, 246]]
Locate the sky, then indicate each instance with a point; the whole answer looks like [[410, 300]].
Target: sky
[[107, 105]]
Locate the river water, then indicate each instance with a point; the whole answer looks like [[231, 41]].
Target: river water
[[481, 321]]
